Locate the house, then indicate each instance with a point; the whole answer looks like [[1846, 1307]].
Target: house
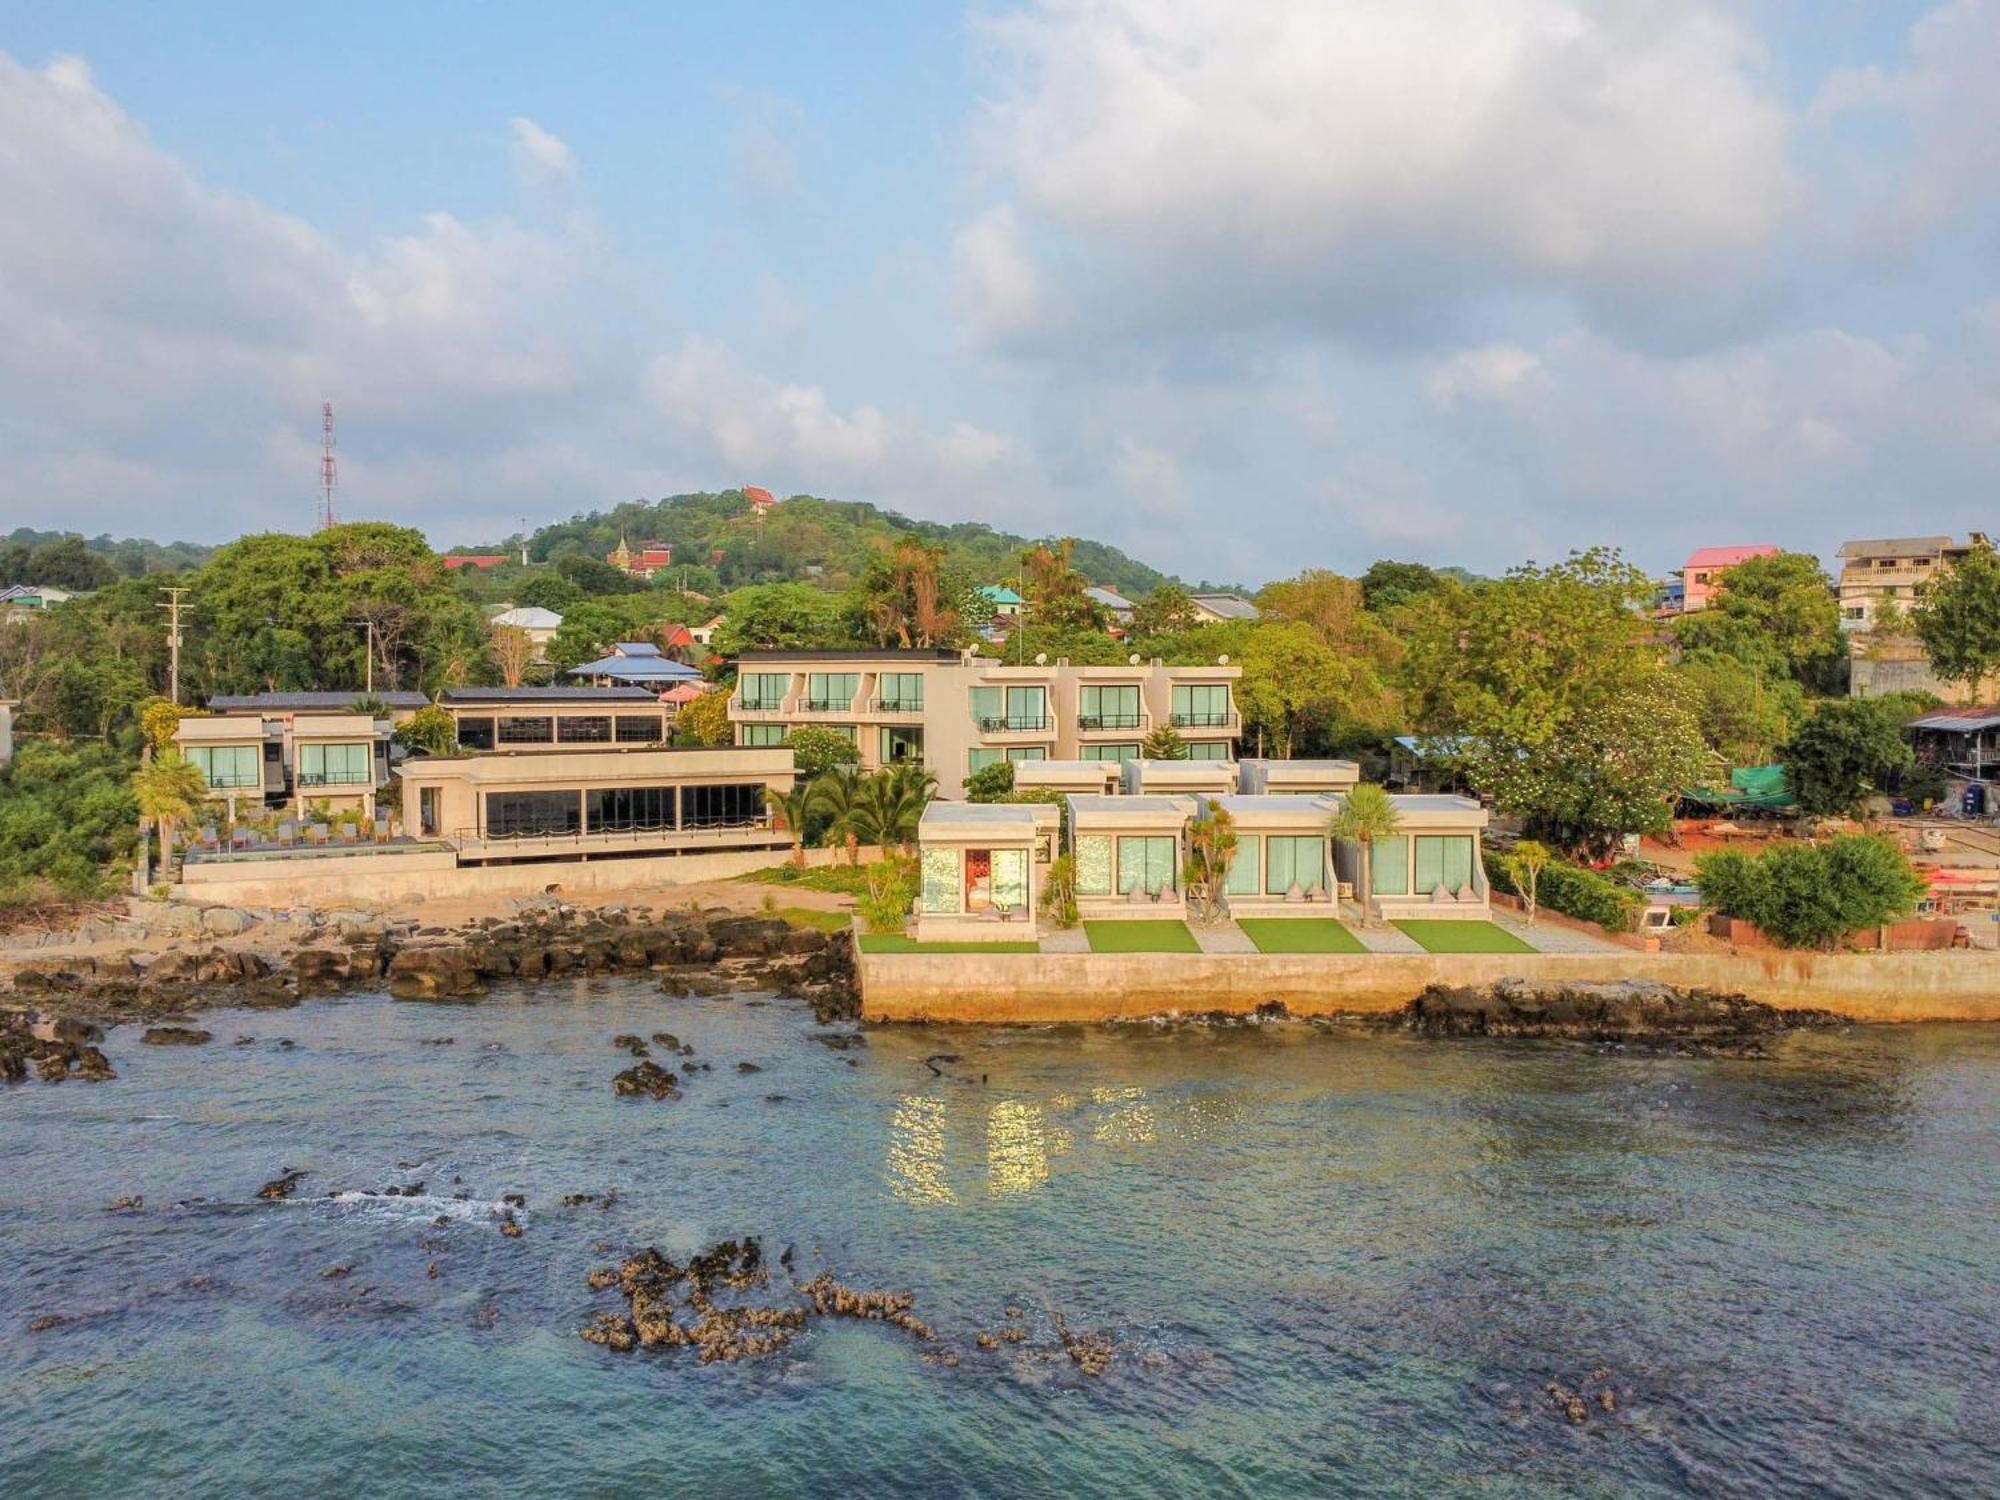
[[960, 712], [637, 664], [1283, 856], [1099, 778], [982, 867], [1430, 867], [18, 600], [1178, 778], [651, 558], [1005, 601], [297, 750], [7, 707], [1894, 570], [538, 624], [454, 561], [762, 502], [1964, 741], [1116, 605], [704, 633], [1212, 609], [1298, 778], [1129, 852], [1701, 575], [566, 718], [1426, 764]]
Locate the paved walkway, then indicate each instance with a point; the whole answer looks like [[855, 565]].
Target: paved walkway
[[1547, 937], [1225, 937], [1384, 939], [1057, 940]]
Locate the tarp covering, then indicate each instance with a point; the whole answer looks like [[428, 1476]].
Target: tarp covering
[[1758, 787]]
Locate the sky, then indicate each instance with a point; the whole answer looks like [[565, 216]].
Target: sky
[[1243, 288]]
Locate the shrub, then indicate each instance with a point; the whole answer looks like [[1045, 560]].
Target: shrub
[[892, 890], [1813, 895], [431, 730], [990, 783], [816, 750], [1575, 892], [1059, 891]]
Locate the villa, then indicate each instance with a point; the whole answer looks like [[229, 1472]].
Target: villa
[[1430, 867], [1100, 778], [983, 866], [1178, 778], [1299, 778], [297, 749], [957, 713], [1128, 856], [1282, 862]]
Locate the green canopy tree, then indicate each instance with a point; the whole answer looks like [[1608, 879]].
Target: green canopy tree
[[891, 805], [168, 789], [1958, 620], [1365, 815], [793, 810], [1168, 610], [1777, 615], [1849, 749], [1163, 742], [1055, 589], [775, 616], [816, 750], [1744, 714]]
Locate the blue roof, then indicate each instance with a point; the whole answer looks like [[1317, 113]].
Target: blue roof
[[999, 593], [635, 648], [637, 669]]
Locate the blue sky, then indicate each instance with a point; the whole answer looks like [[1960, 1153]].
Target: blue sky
[[1242, 289]]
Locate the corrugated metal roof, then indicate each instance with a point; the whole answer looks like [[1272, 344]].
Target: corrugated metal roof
[[1959, 720], [224, 703], [577, 693], [530, 617], [1229, 606], [637, 669]]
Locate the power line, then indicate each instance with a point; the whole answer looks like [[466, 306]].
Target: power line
[[173, 609]]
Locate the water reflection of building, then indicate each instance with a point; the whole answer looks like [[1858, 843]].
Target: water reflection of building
[[1127, 1118], [1017, 1148], [916, 1152]]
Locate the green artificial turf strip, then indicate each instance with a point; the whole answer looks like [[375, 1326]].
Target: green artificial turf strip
[[1300, 935], [822, 921], [1463, 937], [1140, 937], [892, 942]]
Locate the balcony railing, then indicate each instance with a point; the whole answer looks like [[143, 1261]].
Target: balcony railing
[[895, 705], [1228, 719], [690, 832], [1015, 724], [1095, 723], [758, 708], [336, 778]]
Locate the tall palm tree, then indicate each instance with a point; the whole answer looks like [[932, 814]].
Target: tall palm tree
[[168, 788], [792, 809], [1366, 814], [892, 804], [839, 794]]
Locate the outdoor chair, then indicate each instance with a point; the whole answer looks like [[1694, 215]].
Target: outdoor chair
[[209, 840], [288, 834]]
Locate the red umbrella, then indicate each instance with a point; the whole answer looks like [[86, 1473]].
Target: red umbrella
[[686, 692]]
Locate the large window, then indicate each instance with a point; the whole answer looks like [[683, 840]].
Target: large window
[[626, 808], [640, 729], [996, 709], [1200, 705], [764, 690], [831, 692], [1246, 870], [979, 760], [900, 692], [584, 729], [475, 734], [514, 815], [1027, 752], [1119, 753], [1389, 869], [1147, 863], [527, 731], [228, 767], [1115, 707], [763, 734], [1208, 750], [899, 745], [336, 765], [1443, 860], [1292, 860], [733, 806], [1093, 864]]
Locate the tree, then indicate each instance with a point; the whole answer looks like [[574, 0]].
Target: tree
[[816, 750], [838, 794], [792, 809], [1163, 742], [990, 783], [892, 803], [1812, 896], [1744, 715], [1212, 846], [593, 577], [548, 591], [908, 598], [514, 651], [1365, 814], [1391, 585], [705, 722], [1776, 614], [67, 563], [1848, 750], [588, 631], [1055, 589], [779, 616], [160, 721], [431, 730], [1297, 691], [1059, 891], [1168, 610], [1525, 863], [168, 789], [1958, 620], [66, 812]]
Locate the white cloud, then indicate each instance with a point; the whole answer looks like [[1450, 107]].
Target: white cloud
[[1000, 287], [763, 165], [1378, 165], [1493, 373], [540, 159]]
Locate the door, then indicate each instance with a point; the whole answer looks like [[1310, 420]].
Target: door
[[427, 810], [978, 879]]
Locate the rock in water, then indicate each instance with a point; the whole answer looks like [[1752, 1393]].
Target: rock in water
[[174, 1036], [278, 1189], [647, 1079], [1637, 1012]]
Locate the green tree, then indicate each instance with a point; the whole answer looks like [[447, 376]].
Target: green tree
[[990, 783], [793, 810], [548, 591], [1212, 844], [1163, 742], [1777, 615], [780, 616], [67, 563], [1391, 585], [1297, 693], [1365, 815], [1958, 620], [1744, 714], [1059, 891], [1813, 896], [705, 722], [907, 597], [592, 576], [1525, 863], [168, 789], [838, 794], [67, 813], [892, 804], [431, 730], [1167, 611], [588, 631], [816, 750], [1848, 750], [1055, 589]]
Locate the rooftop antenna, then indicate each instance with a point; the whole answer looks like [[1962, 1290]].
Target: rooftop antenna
[[326, 467]]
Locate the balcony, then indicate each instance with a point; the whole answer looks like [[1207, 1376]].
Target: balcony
[[1016, 726], [1126, 724], [759, 712], [1227, 722], [896, 708]]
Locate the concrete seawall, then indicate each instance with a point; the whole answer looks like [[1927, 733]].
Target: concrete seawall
[[1031, 988]]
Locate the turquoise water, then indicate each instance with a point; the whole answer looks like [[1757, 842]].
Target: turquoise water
[[1332, 1264]]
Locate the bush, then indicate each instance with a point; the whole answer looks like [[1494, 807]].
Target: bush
[[990, 783], [892, 891], [431, 730], [1059, 891], [66, 813], [816, 751], [1813, 895], [1575, 892]]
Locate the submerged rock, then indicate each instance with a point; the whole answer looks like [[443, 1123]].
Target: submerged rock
[[278, 1189], [175, 1036], [647, 1079]]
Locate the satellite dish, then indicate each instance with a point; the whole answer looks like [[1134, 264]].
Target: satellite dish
[[1222, 660], [1041, 658], [1133, 659]]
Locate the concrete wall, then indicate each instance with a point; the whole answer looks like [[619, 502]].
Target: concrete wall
[[385, 879], [1023, 988]]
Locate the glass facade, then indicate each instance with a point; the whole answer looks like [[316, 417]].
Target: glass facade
[[762, 734], [1200, 705], [900, 692], [640, 729], [900, 745], [625, 809], [1147, 863], [532, 814], [1293, 861], [537, 730], [1113, 707], [1208, 750], [995, 709], [1027, 752], [831, 691], [1248, 867], [1119, 753], [730, 806], [978, 760], [228, 767], [336, 765], [1443, 861], [475, 734], [584, 729], [1389, 870], [764, 690], [1093, 864]]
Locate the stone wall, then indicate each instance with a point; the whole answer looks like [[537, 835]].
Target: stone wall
[[1025, 988]]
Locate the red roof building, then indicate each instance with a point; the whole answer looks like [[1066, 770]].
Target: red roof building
[[760, 500], [1701, 577], [454, 561]]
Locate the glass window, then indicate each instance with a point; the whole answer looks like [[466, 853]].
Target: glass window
[[527, 731], [1249, 861], [1443, 861], [1119, 753], [900, 745], [640, 729], [730, 806], [1147, 863], [475, 734], [900, 692], [1200, 705], [1027, 708], [228, 767], [532, 814], [1293, 860], [989, 707], [1010, 879], [941, 869], [831, 691], [1027, 752], [1208, 750], [584, 729], [979, 760], [1113, 707], [624, 809], [1093, 864], [762, 734], [336, 765], [1389, 870], [764, 690]]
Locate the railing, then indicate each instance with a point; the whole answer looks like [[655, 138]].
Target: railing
[[1093, 723], [694, 831], [336, 778], [1014, 724], [1226, 720], [895, 705]]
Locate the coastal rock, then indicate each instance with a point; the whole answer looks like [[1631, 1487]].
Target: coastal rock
[[646, 1079], [1636, 1012], [225, 921], [278, 1189], [443, 972], [175, 1036]]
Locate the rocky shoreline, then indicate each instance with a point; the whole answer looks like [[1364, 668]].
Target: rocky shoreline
[[57, 1006], [1632, 1012]]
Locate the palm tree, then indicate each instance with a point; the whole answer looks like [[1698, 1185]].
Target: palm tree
[[1211, 851], [792, 809], [892, 803], [839, 794], [1366, 814], [168, 787]]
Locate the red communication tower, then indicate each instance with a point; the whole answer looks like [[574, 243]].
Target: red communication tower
[[326, 468]]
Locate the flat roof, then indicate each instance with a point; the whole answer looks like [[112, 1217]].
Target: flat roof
[[982, 819], [225, 703], [930, 654], [554, 694], [1160, 809], [1108, 767], [1264, 805]]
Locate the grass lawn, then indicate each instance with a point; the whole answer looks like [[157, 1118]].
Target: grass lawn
[[823, 921], [1463, 937], [1300, 935], [895, 942], [840, 880], [1140, 937]]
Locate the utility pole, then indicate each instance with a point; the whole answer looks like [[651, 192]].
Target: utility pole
[[173, 609], [371, 657], [524, 541]]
